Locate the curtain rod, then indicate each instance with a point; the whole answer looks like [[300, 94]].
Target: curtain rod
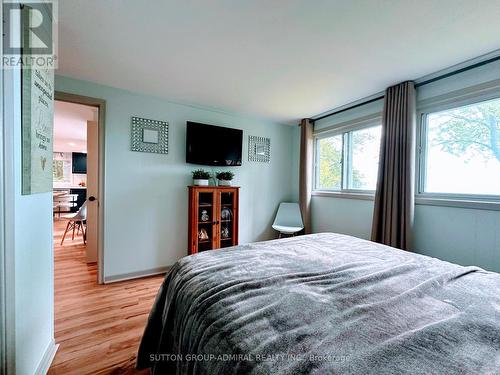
[[423, 83]]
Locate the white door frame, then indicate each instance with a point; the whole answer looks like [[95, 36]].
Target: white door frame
[[7, 217], [101, 105], [6, 277], [3, 281], [7, 195]]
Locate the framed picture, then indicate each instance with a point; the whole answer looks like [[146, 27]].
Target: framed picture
[[61, 167]]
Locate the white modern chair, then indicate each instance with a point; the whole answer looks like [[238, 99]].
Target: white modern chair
[[75, 221], [288, 219]]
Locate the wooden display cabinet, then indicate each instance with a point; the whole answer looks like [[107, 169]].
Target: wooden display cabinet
[[213, 217]]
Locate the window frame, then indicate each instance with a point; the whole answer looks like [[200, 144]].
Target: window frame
[[460, 98], [345, 130]]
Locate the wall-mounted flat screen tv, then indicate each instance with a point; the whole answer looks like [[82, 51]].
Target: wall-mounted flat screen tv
[[79, 162], [213, 145]]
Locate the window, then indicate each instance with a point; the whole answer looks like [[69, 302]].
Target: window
[[461, 150], [349, 160]]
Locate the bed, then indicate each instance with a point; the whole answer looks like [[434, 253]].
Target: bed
[[323, 304]]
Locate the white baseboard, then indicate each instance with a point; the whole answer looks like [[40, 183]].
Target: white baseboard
[[136, 275], [48, 357]]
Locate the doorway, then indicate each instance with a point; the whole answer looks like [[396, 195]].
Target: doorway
[[78, 186]]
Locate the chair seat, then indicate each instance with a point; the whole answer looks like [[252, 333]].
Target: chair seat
[[72, 216], [286, 229], [65, 204]]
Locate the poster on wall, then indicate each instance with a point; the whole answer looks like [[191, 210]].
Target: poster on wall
[[61, 167], [37, 125]]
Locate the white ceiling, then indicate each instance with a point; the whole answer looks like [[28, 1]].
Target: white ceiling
[[281, 60], [70, 126]]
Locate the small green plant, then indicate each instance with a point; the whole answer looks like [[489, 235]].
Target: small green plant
[[226, 176], [201, 174]]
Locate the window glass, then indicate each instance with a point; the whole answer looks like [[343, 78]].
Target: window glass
[[363, 169], [348, 160], [463, 150], [329, 154]]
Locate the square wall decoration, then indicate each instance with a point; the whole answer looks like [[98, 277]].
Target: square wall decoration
[[149, 135], [259, 149]]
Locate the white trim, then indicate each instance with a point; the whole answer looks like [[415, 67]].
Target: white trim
[[458, 203], [350, 195], [3, 280], [101, 123], [136, 274], [46, 361], [420, 153], [11, 86], [419, 200]]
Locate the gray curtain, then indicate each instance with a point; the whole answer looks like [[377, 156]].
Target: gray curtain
[[306, 172], [394, 199]]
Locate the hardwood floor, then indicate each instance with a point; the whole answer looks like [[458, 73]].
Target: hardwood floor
[[98, 327]]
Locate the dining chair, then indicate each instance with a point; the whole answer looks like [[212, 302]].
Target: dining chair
[[288, 219], [76, 222]]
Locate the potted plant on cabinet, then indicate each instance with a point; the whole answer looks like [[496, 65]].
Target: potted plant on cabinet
[[224, 178], [200, 177]]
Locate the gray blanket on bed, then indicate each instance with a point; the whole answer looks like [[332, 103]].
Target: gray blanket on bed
[[323, 304]]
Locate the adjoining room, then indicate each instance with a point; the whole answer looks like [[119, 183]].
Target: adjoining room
[[70, 171]]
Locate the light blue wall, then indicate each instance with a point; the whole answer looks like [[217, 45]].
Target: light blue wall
[[339, 215], [295, 158], [463, 236], [31, 252], [146, 203]]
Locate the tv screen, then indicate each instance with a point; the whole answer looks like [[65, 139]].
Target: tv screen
[[213, 145], [79, 162]]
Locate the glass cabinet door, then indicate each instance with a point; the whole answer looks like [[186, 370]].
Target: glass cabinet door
[[226, 225], [206, 220]]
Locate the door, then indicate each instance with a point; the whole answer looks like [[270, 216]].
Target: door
[[205, 220], [92, 230], [227, 229]]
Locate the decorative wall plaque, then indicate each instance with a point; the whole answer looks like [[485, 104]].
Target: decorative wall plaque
[[37, 93], [149, 135], [37, 130], [259, 149]]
